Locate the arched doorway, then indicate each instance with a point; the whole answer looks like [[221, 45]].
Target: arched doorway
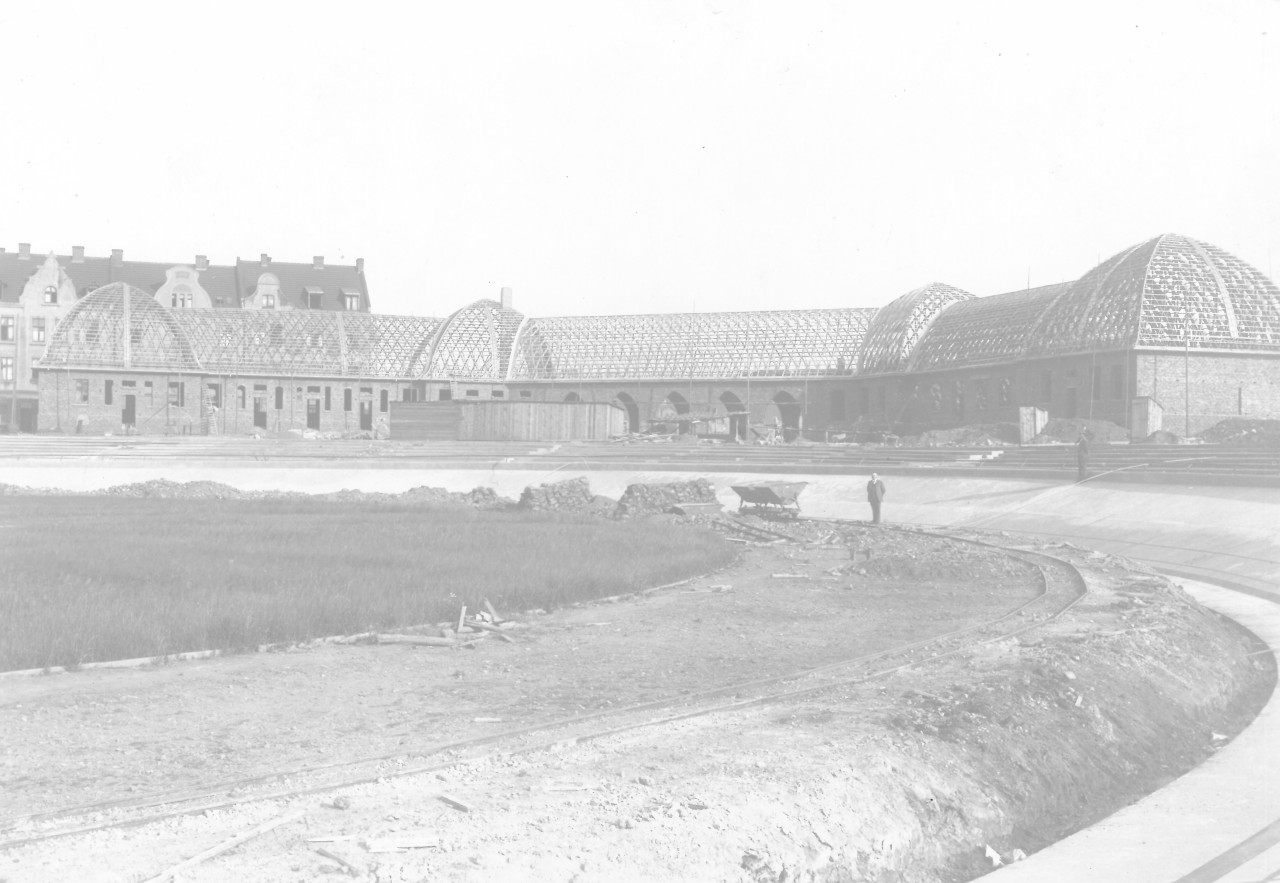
[[633, 411], [788, 414], [737, 415], [573, 397], [680, 405]]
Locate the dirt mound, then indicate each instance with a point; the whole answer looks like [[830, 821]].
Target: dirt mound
[[978, 435], [1162, 437], [1244, 431], [1064, 429], [163, 488]]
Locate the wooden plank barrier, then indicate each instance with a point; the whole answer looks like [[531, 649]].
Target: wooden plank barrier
[[506, 421]]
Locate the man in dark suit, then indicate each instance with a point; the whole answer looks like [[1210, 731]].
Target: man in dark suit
[[1082, 457], [875, 493]]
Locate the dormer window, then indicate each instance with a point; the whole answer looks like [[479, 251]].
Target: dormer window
[[315, 298], [182, 297], [352, 301], [268, 301], [51, 294]]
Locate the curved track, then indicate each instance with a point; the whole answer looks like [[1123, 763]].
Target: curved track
[[1061, 587]]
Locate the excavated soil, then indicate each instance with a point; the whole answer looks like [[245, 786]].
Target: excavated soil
[[917, 776]]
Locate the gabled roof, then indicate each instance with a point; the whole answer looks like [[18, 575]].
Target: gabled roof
[[296, 279]]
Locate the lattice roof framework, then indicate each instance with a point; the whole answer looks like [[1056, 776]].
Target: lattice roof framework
[[292, 343], [984, 330], [780, 343], [898, 327], [1171, 291], [475, 343], [93, 334]]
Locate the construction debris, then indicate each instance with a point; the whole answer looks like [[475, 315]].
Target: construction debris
[[224, 846]]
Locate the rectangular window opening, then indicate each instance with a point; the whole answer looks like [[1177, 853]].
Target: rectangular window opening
[[107, 390]]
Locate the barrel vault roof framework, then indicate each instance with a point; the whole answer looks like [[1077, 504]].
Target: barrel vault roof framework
[[767, 343]]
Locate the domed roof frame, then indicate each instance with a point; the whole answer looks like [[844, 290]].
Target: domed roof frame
[[474, 343], [898, 327], [94, 335]]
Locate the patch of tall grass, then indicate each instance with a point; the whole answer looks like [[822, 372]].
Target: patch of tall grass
[[86, 579]]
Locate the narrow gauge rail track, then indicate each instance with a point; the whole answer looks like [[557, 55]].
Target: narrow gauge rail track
[[1061, 587]]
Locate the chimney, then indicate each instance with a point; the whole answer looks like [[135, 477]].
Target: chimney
[[505, 298], [317, 262], [360, 266], [117, 257], [202, 262], [266, 259], [77, 254], [24, 251]]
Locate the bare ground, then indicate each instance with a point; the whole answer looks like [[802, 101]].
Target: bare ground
[[909, 778]]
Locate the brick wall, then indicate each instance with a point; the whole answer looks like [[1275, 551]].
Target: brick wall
[[97, 402], [1215, 386]]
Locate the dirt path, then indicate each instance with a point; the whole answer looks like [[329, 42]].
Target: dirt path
[[900, 779]]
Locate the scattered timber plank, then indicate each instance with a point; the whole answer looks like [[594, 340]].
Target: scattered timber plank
[[456, 804], [492, 612], [484, 626], [333, 856], [417, 639], [224, 846], [790, 575], [402, 842], [462, 617]]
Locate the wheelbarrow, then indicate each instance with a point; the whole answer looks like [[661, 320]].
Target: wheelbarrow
[[765, 498]]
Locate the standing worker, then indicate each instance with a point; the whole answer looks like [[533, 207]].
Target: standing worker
[[875, 493], [1082, 458]]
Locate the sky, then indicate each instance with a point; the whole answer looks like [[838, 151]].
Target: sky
[[608, 157]]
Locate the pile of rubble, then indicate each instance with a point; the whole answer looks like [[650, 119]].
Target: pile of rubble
[[655, 499], [571, 495], [981, 435], [1244, 431], [1067, 429]]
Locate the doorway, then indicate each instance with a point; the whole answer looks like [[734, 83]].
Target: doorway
[[737, 416], [313, 413], [633, 411], [366, 415], [259, 412], [27, 417], [129, 413], [788, 415]]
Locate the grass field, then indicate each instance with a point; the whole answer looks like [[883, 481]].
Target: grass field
[[96, 578]]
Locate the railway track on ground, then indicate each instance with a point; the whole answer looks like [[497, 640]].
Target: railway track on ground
[[1060, 587]]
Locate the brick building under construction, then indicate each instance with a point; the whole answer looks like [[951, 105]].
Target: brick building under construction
[[1171, 332]]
